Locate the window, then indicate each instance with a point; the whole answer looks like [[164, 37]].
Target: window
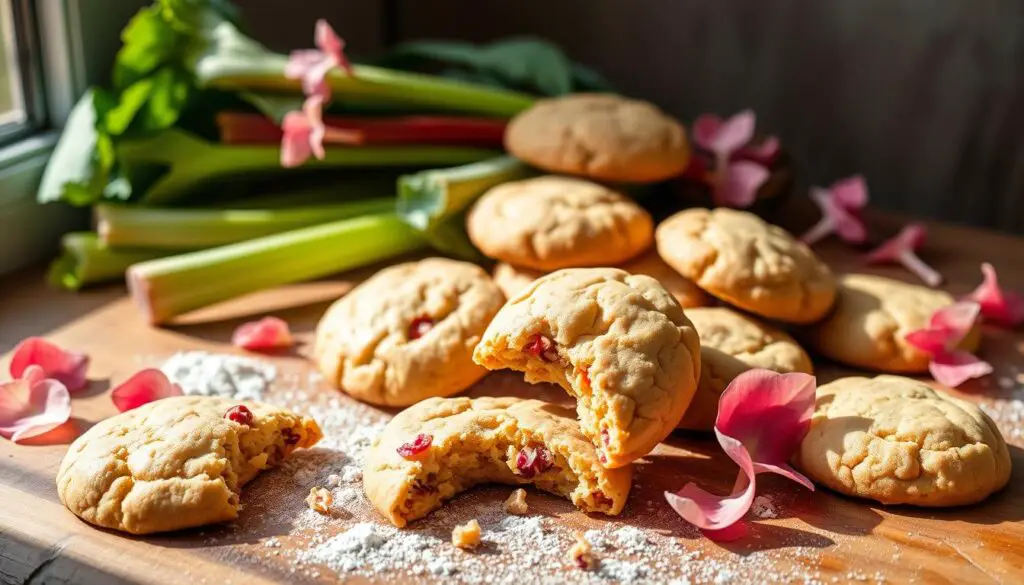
[[19, 113]]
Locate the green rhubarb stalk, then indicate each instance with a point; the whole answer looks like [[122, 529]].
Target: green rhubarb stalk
[[434, 201], [194, 161], [85, 261], [234, 62], [195, 229], [172, 286]]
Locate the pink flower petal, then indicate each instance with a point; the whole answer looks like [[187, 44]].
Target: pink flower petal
[[739, 184], [267, 333], [32, 405], [953, 368], [930, 341], [835, 218], [764, 153], [850, 193], [1003, 307], [708, 511], [958, 318], [768, 412], [67, 367], [142, 388], [762, 418], [312, 66], [727, 136], [295, 139], [332, 45], [901, 249]]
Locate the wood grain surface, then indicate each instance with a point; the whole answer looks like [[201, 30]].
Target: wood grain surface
[[834, 538]]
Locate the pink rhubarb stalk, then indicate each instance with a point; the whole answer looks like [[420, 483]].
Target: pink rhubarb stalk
[[313, 65], [739, 167], [946, 329], [1003, 307], [245, 128], [266, 334], [67, 367], [902, 249], [303, 134], [142, 388], [840, 206], [762, 418], [32, 405]]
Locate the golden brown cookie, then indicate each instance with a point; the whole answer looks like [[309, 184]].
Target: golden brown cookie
[[176, 463], [759, 267], [552, 222], [619, 343], [600, 136], [730, 344], [872, 316], [440, 447], [511, 279], [898, 441], [408, 332]]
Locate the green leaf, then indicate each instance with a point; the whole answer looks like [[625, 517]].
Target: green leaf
[[81, 162], [149, 42], [523, 63]]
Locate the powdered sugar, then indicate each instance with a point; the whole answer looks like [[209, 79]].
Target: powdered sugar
[[215, 374], [764, 507]]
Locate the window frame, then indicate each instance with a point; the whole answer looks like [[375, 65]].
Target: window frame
[[62, 30]]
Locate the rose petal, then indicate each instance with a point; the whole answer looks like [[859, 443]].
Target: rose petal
[[331, 44], [930, 341], [67, 367], [850, 193], [901, 248], [705, 128], [764, 153], [32, 405], [769, 412], [835, 218], [953, 368], [267, 333], [958, 318], [738, 188], [710, 512], [142, 388], [732, 134], [1003, 307]]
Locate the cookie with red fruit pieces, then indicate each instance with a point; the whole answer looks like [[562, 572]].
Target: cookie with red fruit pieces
[[176, 463], [441, 447], [408, 332], [619, 343]]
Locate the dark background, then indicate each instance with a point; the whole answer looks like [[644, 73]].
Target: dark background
[[925, 97]]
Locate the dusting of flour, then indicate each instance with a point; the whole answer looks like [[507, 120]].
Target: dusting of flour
[[218, 374]]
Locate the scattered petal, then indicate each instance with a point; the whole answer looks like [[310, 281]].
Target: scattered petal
[[947, 327], [724, 137], [1003, 307], [953, 368], [764, 153], [762, 418], [267, 333], [67, 367], [313, 65], [32, 405], [840, 207], [902, 249], [304, 133], [739, 184], [142, 388]]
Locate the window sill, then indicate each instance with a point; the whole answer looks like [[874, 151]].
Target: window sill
[[29, 231]]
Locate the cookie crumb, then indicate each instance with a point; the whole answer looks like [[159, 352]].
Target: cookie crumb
[[764, 507], [466, 536], [516, 503], [581, 554], [320, 499]]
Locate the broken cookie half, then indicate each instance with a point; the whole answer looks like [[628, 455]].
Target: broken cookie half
[[440, 447], [176, 463]]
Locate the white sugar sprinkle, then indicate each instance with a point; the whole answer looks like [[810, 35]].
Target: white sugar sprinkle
[[225, 375], [764, 507]]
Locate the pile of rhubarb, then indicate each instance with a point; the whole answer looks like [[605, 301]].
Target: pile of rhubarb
[[216, 167]]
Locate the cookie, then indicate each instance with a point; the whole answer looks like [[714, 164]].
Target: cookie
[[551, 222], [440, 447], [600, 136], [408, 332], [730, 344], [898, 441], [619, 343], [511, 279], [176, 463], [758, 267], [872, 316]]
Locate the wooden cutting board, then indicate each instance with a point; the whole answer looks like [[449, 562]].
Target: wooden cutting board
[[817, 537]]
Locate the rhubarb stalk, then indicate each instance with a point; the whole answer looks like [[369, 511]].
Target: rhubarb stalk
[[195, 229], [84, 261], [171, 286]]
